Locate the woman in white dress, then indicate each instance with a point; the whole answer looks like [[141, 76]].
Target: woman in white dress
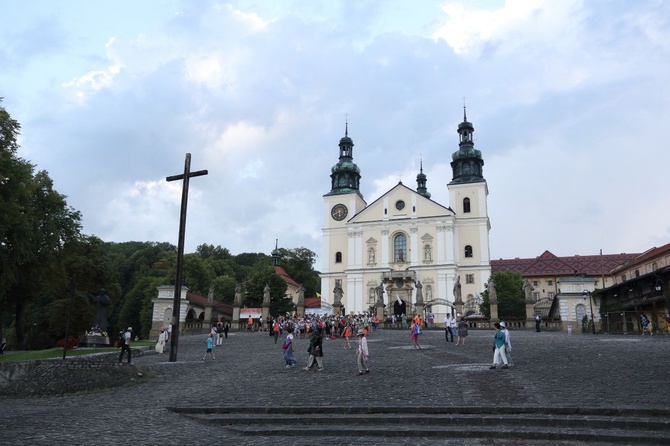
[[160, 345]]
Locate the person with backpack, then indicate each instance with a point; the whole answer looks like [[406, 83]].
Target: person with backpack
[[219, 334], [415, 332], [125, 345]]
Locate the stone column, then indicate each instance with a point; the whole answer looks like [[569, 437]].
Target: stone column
[[494, 310], [235, 323], [530, 313]]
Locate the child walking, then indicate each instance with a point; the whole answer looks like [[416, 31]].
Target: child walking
[[209, 341]]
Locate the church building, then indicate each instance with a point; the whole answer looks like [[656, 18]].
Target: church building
[[405, 249]]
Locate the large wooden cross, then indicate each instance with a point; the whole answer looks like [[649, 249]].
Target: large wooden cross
[[186, 176]]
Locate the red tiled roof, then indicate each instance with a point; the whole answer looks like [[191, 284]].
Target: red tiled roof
[[202, 301], [550, 265], [284, 275], [312, 302], [645, 256]]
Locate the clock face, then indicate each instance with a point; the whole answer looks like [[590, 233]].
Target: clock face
[[339, 212]]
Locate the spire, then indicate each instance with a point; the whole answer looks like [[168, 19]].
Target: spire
[[276, 255], [467, 164], [421, 182], [345, 175]]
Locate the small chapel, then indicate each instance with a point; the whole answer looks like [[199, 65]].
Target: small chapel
[[405, 253]]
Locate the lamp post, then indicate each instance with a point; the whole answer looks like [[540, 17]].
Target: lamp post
[[593, 323]]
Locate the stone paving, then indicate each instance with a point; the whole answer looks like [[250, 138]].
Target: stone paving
[[550, 370]]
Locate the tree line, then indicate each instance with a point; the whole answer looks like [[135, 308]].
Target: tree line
[[49, 267]]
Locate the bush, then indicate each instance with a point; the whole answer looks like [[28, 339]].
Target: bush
[[72, 342]]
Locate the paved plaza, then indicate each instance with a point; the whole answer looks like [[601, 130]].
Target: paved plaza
[[551, 371]]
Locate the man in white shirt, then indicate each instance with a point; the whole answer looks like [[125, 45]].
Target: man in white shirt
[[447, 329], [508, 344]]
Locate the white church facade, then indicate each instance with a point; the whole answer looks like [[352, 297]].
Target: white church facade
[[405, 249]]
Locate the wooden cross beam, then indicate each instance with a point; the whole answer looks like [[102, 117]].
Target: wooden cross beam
[[186, 176]]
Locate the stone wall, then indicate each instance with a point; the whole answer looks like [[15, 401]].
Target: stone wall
[[60, 377]]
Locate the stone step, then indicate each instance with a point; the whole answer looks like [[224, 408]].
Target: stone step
[[565, 424]]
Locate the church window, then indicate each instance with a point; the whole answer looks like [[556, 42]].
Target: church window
[[338, 257], [400, 205], [580, 312], [536, 296], [469, 278], [468, 251], [400, 248], [466, 205]]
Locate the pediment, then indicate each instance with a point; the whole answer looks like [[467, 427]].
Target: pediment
[[401, 202]]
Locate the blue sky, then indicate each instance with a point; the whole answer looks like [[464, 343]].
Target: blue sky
[[569, 101]]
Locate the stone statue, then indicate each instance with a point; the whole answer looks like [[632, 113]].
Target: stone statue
[[238, 295], [301, 295], [337, 294], [493, 294], [419, 292], [101, 301], [380, 294], [528, 290], [457, 290], [210, 295], [266, 294]]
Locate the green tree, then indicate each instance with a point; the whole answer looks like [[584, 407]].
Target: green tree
[[511, 300], [299, 264], [255, 283], [35, 225], [224, 289]]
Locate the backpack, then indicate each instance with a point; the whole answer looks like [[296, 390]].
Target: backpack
[[417, 329]]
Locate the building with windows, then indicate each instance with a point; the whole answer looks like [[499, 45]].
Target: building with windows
[[565, 287], [405, 251], [641, 288]]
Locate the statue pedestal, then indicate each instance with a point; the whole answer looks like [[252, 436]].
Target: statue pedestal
[[300, 310], [380, 312], [419, 309], [494, 311], [266, 312], [530, 311], [235, 323], [93, 341], [337, 308]]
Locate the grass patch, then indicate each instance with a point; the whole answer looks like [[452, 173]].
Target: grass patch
[[52, 353]]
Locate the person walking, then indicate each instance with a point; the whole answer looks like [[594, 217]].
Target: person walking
[[462, 332], [508, 343], [415, 332], [316, 350], [538, 321], [447, 329], [288, 350], [209, 341], [226, 329], [362, 354], [275, 330], [219, 333], [125, 345], [160, 344], [499, 348], [347, 335]]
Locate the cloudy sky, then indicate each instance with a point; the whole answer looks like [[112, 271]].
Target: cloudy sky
[[569, 100]]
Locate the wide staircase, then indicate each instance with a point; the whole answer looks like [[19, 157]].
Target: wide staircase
[[565, 424]]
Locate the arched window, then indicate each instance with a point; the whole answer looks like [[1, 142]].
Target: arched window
[[338, 257], [400, 248], [466, 205], [580, 312], [468, 251]]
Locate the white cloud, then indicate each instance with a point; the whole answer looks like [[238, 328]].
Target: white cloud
[[567, 99]]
